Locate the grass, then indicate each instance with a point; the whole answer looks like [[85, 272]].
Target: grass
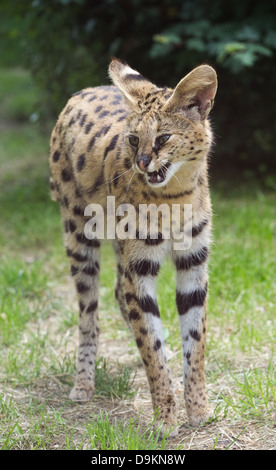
[[38, 315]]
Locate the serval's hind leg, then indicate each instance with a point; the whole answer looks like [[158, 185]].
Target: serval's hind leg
[[84, 255]]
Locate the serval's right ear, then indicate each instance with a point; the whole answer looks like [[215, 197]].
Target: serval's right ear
[[130, 82]]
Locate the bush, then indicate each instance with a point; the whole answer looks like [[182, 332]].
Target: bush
[[67, 44]]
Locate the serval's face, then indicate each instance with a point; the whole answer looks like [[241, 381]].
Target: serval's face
[[161, 143], [167, 130]]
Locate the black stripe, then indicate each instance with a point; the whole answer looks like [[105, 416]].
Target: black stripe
[[93, 243], [92, 307], [195, 334], [171, 196], [195, 259], [154, 241], [90, 270], [145, 267], [81, 287], [198, 228], [101, 132], [148, 304], [193, 299], [112, 145], [76, 256], [81, 162]]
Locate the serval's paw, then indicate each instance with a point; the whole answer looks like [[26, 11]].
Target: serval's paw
[[82, 392]]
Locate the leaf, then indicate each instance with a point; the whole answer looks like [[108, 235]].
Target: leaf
[[196, 45], [167, 39], [230, 49], [270, 39]]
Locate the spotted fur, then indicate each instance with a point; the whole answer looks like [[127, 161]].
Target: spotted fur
[[143, 145]]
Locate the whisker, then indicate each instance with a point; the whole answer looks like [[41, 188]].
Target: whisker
[[134, 173], [119, 176], [174, 176]]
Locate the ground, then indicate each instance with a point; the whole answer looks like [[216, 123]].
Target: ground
[[38, 316]]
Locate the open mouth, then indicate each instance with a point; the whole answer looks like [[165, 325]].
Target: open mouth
[[157, 177]]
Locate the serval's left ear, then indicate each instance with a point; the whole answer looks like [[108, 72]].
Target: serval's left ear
[[195, 93], [130, 82]]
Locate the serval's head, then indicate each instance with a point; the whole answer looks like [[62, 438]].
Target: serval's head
[[167, 130]]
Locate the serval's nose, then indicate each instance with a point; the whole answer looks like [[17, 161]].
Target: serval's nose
[[143, 161]]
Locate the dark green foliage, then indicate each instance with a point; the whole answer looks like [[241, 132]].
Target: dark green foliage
[[68, 43]]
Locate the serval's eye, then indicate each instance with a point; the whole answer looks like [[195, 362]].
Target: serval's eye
[[162, 139], [133, 140]]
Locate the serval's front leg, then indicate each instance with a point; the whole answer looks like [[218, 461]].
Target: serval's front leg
[[191, 294], [145, 322]]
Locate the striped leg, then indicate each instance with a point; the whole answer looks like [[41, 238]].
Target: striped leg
[[145, 322], [84, 256], [192, 283], [119, 291]]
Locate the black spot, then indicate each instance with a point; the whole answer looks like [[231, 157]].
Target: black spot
[[139, 342], [193, 299], [144, 331], [129, 297], [157, 345], [66, 226], [72, 121], [118, 111], [81, 162], [195, 335], [98, 109], [56, 156], [134, 315], [88, 127], [122, 118], [83, 119], [103, 114], [82, 306], [66, 175], [92, 307], [78, 210], [66, 201], [74, 270], [148, 304], [72, 226]]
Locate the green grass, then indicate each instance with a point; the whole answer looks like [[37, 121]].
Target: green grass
[[38, 322]]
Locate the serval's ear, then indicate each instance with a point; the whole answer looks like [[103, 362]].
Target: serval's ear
[[130, 82], [194, 94]]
